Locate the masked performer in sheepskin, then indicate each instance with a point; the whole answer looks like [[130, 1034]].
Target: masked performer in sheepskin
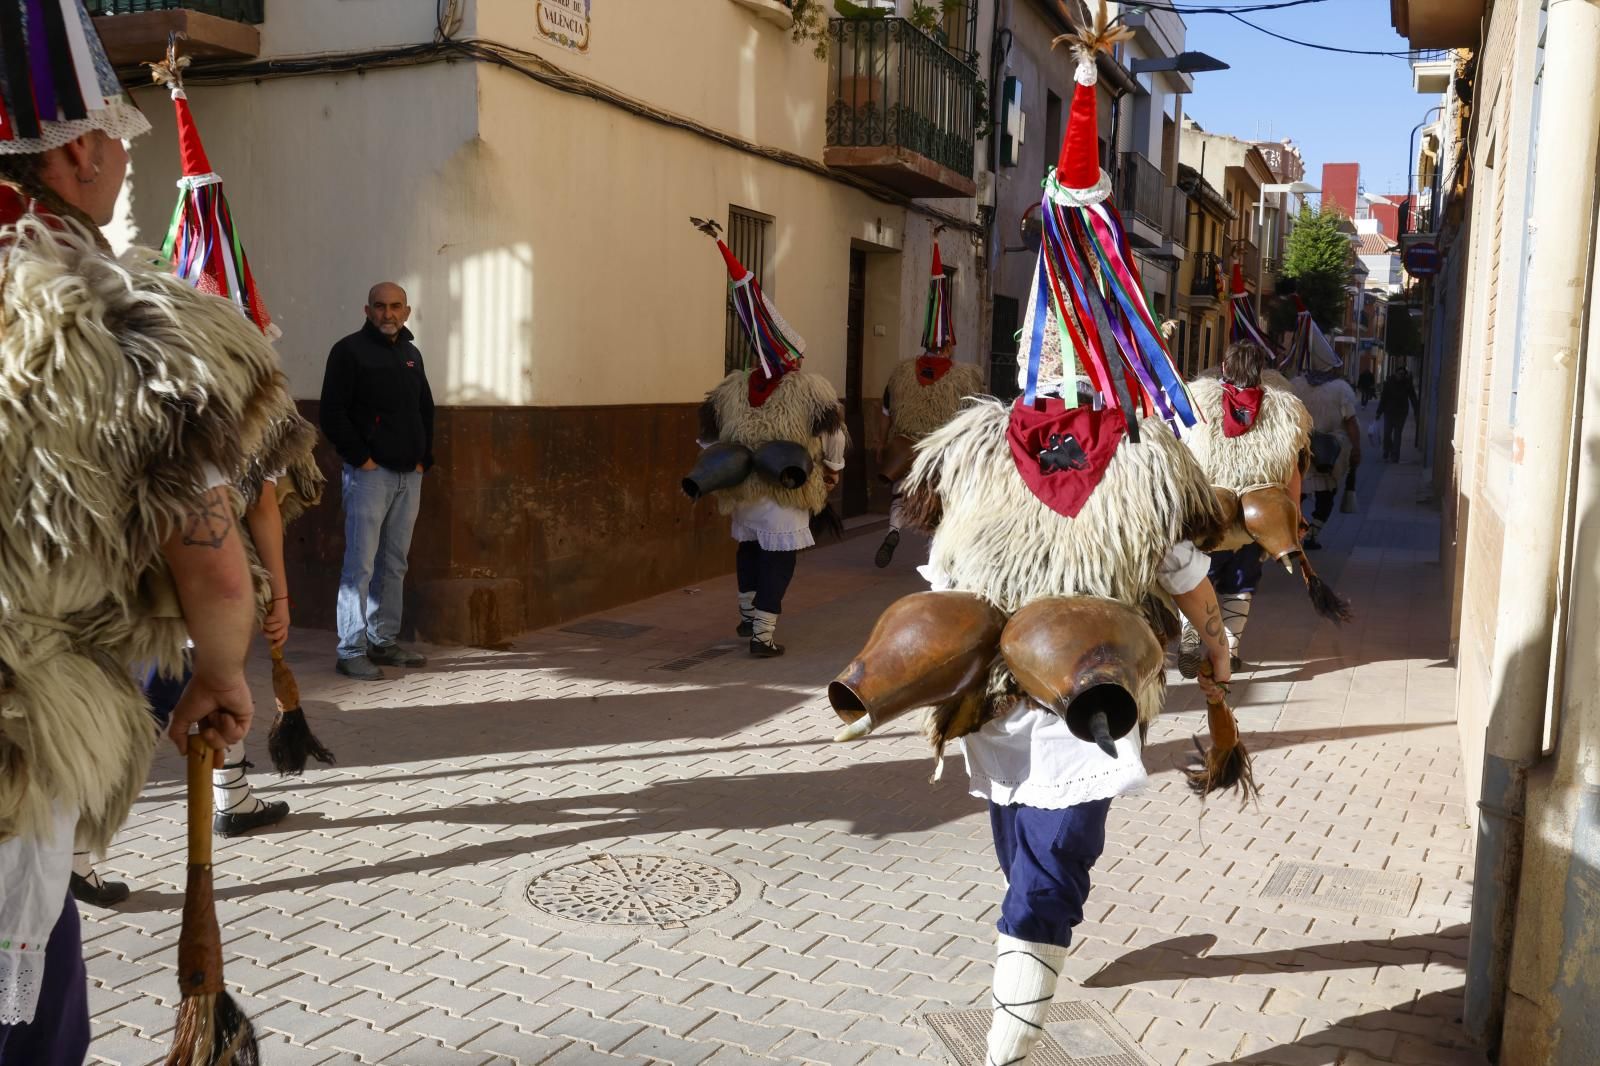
[[774, 447], [923, 394], [130, 404], [1252, 442], [1064, 537]]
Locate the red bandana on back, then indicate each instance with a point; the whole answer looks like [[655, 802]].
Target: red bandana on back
[[1239, 409], [930, 368], [762, 387], [1062, 452]]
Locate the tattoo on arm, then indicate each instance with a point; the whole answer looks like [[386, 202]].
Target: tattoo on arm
[[208, 523], [1213, 626]]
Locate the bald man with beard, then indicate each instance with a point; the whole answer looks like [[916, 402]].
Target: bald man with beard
[[377, 411]]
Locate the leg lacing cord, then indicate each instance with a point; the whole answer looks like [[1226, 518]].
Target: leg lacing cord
[[1021, 997], [230, 788]]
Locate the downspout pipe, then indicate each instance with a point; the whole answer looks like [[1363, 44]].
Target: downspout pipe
[[1568, 144]]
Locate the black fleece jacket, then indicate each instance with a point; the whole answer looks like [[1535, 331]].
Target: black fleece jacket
[[376, 403]]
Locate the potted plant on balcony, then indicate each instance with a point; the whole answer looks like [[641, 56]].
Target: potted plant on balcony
[[811, 20]]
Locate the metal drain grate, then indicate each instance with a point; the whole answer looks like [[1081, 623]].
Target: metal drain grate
[[689, 662], [1075, 1034], [599, 627], [659, 891], [1344, 888]]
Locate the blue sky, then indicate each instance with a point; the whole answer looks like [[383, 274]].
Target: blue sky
[[1337, 108]]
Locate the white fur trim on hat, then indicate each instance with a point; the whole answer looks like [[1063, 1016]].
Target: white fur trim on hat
[[1065, 197], [119, 119]]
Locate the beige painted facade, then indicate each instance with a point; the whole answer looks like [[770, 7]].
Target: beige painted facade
[[1520, 473], [1202, 300], [543, 236], [1485, 432], [1238, 170]]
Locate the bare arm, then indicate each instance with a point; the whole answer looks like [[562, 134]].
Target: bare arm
[[265, 522], [1199, 606], [208, 566]]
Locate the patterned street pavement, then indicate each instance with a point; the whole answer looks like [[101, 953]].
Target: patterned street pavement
[[447, 894]]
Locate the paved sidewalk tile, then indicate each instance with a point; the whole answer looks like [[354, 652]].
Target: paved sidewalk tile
[[387, 919]]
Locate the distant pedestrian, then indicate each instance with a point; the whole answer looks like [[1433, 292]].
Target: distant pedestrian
[[1365, 384], [1398, 400], [377, 410]]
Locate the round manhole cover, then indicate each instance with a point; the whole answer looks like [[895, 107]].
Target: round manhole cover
[[629, 889]]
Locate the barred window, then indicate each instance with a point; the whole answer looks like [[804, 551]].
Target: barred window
[[748, 234]]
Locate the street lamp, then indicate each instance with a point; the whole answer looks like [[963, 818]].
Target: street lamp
[[1182, 63], [1294, 187]]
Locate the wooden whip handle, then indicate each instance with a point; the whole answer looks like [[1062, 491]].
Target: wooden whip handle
[[199, 802]]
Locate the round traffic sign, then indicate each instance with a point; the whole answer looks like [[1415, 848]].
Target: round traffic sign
[[1422, 259]]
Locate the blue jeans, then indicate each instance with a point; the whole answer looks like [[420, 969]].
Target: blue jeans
[[380, 507]]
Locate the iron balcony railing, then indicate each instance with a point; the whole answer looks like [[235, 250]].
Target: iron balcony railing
[[1206, 267], [236, 10], [1139, 192], [893, 86], [1143, 193]]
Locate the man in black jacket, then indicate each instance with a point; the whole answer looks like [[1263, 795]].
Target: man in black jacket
[[1398, 399], [377, 411]]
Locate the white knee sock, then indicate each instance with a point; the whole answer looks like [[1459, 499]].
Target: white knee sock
[[747, 605], [1235, 613], [763, 625], [1025, 978], [230, 786]]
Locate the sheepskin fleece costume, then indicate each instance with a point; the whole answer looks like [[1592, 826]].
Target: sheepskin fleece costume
[[993, 537], [1267, 453], [118, 384], [919, 409], [801, 409]]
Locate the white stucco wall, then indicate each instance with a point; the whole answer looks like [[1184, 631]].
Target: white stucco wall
[[543, 236]]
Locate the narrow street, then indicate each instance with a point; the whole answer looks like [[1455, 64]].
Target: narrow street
[[793, 900]]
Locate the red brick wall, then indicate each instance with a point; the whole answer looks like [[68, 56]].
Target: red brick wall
[[1340, 182], [535, 515], [531, 516]]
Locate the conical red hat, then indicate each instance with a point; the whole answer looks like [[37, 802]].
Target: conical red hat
[[193, 152], [1238, 279], [938, 264], [1079, 164], [736, 269]]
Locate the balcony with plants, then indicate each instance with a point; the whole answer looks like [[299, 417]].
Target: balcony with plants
[[906, 104], [136, 31]]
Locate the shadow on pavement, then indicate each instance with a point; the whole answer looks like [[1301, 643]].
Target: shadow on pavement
[[1432, 1019], [871, 799], [1182, 957]]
